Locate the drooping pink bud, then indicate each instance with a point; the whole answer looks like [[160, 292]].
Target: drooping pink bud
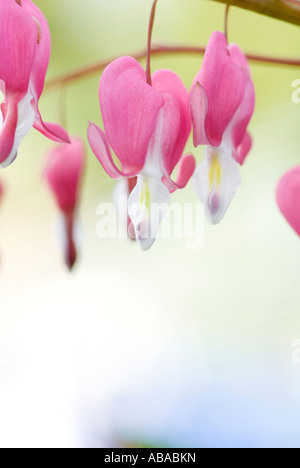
[[63, 172], [288, 197], [24, 58]]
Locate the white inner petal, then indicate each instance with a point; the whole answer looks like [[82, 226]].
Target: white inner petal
[[216, 181], [25, 122], [150, 199], [147, 205], [153, 164]]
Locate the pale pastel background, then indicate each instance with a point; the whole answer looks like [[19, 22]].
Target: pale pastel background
[[172, 347]]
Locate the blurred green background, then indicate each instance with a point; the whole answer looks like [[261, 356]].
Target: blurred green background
[[170, 347]]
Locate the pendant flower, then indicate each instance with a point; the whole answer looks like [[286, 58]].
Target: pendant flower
[[63, 173], [24, 58], [147, 127], [288, 197], [222, 102]]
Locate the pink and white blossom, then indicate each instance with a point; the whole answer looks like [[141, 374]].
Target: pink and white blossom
[[147, 128], [222, 102], [24, 57]]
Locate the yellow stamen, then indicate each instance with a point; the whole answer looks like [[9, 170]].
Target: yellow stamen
[[145, 195], [215, 172]]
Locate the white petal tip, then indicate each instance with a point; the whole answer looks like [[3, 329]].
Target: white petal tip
[[215, 181], [8, 161], [145, 244], [147, 205]]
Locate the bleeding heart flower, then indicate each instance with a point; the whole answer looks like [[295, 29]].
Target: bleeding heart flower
[[63, 173], [147, 127], [288, 197], [222, 102], [24, 58]]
